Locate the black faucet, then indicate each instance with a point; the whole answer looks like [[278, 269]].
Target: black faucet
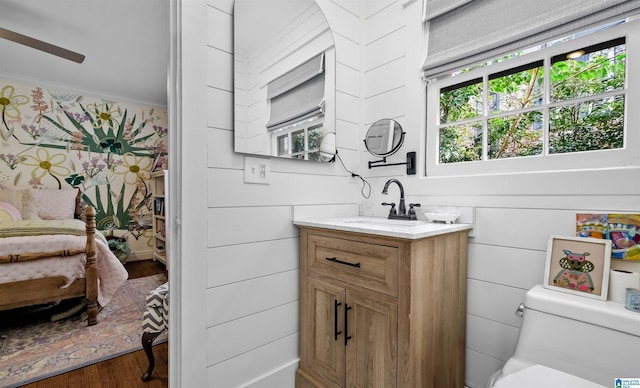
[[401, 213]]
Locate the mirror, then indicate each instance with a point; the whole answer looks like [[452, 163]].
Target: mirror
[[384, 137], [284, 80], [328, 147]]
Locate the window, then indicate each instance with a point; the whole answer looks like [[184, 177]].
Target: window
[[301, 140], [564, 106]]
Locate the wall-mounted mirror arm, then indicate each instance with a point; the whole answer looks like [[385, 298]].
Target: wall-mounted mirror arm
[[411, 163], [384, 138]]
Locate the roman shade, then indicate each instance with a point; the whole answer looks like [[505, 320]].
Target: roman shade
[[435, 8], [464, 32], [297, 95]]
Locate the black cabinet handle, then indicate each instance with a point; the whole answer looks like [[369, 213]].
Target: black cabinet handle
[[335, 320], [347, 337], [335, 260]]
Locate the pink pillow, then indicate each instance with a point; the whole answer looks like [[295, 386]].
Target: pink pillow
[[55, 204]]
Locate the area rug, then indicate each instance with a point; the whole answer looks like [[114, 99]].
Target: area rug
[[32, 347]]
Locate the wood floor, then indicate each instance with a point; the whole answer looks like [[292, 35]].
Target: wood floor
[[123, 371]]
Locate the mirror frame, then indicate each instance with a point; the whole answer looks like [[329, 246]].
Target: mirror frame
[[396, 142]]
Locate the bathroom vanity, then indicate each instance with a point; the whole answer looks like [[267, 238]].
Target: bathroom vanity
[[382, 303]]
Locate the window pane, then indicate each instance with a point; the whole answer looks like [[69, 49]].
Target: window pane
[[461, 143], [297, 141], [461, 101], [315, 137], [516, 88], [283, 145], [596, 69], [314, 155], [588, 126], [517, 135]]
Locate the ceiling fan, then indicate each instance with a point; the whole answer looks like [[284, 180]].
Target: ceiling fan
[[41, 45]]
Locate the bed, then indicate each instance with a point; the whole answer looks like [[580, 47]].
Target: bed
[[48, 255]]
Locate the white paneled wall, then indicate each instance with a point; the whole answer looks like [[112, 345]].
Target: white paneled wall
[[515, 214], [252, 247], [252, 254]]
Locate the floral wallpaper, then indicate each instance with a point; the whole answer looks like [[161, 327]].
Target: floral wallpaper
[[59, 139]]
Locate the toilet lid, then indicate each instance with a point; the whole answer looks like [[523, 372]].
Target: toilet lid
[[537, 376]]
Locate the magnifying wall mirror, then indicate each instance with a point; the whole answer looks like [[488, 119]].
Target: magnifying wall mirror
[[384, 138], [284, 79]]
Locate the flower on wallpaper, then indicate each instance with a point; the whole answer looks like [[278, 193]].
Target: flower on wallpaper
[[47, 164], [160, 131], [104, 114], [39, 105], [12, 160], [64, 97], [94, 173], [9, 103], [140, 225], [159, 146], [134, 168], [34, 131], [94, 166], [76, 141]]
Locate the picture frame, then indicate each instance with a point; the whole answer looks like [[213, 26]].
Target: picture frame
[[578, 265]]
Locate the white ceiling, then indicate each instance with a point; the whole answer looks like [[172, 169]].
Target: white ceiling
[[126, 44]]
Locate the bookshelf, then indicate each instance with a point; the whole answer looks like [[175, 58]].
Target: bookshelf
[[159, 220]]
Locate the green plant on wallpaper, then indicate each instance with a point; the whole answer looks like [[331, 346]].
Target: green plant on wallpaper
[[104, 148]]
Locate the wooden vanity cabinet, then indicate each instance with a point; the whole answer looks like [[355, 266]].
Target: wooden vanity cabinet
[[379, 311]]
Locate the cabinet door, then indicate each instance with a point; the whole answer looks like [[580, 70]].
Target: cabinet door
[[323, 335], [372, 351]]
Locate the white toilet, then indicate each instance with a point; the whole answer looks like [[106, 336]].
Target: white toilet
[[572, 341]]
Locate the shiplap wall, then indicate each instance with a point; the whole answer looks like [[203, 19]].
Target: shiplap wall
[[252, 245], [515, 214]]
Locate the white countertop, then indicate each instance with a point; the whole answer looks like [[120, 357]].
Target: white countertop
[[384, 227]]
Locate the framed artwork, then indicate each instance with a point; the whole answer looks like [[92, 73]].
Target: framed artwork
[[578, 265], [622, 229]]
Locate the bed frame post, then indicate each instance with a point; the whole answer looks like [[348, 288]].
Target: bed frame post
[[91, 272]]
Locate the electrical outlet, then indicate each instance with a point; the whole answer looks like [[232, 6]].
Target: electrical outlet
[[257, 170]]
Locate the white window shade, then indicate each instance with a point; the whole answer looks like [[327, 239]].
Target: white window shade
[[435, 8], [295, 77], [483, 29], [297, 95]]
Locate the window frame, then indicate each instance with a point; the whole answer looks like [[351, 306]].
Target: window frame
[[629, 155], [305, 125]]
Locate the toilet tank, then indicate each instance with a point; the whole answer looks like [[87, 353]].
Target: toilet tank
[[593, 339]]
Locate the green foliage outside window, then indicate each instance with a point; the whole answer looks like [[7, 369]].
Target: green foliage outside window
[[575, 122]]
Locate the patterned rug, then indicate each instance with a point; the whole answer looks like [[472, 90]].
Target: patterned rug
[[32, 347]]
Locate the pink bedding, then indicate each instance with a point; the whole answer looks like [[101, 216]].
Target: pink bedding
[[111, 273]]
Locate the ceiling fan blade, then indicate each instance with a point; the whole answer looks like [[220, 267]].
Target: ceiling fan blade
[[40, 45]]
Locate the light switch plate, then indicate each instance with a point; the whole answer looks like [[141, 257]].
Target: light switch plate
[[257, 170]]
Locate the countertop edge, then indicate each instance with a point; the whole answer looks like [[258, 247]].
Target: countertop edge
[[409, 231]]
